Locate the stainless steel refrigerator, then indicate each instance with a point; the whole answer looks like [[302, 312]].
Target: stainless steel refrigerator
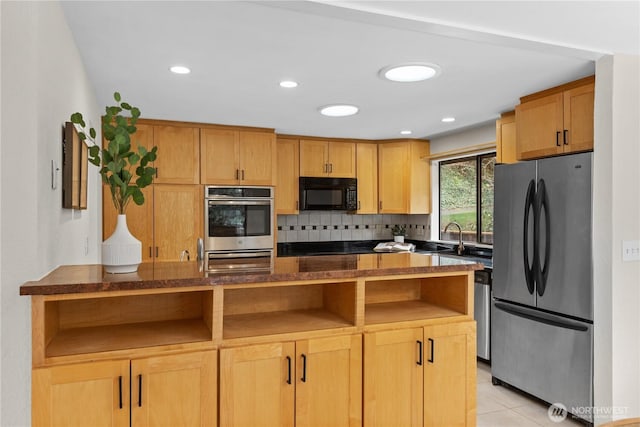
[[542, 305]]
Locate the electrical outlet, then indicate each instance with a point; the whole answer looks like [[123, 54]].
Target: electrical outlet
[[631, 250]]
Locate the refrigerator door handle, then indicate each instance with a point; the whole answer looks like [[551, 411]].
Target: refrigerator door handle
[[535, 316], [528, 267], [541, 269]]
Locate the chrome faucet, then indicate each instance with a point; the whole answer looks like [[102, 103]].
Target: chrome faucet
[[460, 245]]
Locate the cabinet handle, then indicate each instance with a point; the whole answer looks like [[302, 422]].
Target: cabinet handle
[[242, 175], [330, 167], [140, 390], [558, 138], [380, 204], [419, 352], [432, 344], [565, 134], [157, 251], [120, 391], [237, 173], [304, 369], [359, 205], [297, 205], [156, 172], [288, 370], [150, 252]]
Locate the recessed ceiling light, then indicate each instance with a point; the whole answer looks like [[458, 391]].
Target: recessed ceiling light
[[448, 119], [412, 72], [405, 132], [288, 84], [339, 110], [179, 69]]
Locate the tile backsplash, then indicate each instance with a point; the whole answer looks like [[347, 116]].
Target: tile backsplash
[[323, 226]]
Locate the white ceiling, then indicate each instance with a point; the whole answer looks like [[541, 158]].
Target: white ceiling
[[491, 53]]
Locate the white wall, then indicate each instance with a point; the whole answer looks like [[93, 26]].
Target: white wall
[[617, 218], [472, 136], [43, 82]]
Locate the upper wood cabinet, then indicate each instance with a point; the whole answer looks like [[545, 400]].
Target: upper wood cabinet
[[556, 121], [506, 138], [287, 189], [335, 159], [178, 154], [231, 157], [367, 175], [404, 177]]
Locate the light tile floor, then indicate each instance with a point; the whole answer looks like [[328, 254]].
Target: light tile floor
[[499, 406]]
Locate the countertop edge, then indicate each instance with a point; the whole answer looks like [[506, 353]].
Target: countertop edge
[[50, 286]]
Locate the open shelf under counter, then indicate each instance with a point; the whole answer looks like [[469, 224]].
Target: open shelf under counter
[[275, 310], [404, 311], [122, 322], [281, 322], [417, 299], [98, 339]]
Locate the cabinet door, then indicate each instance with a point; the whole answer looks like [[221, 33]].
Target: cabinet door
[[257, 158], [178, 223], [288, 173], [178, 154], [449, 375], [80, 395], [177, 390], [257, 385], [139, 220], [367, 175], [539, 126], [393, 159], [393, 378], [219, 157], [506, 139], [578, 118], [342, 159], [329, 382], [313, 158]]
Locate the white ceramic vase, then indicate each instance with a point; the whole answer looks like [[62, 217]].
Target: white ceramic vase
[[121, 252], [398, 239]]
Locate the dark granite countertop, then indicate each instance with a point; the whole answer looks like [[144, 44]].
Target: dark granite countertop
[[92, 278]]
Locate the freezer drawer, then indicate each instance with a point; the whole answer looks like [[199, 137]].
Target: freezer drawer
[[548, 356]]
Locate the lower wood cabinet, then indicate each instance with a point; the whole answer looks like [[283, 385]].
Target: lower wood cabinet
[[421, 376], [165, 390], [315, 382], [169, 222]]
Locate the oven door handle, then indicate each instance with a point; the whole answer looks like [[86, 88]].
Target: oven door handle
[[257, 254], [240, 202]]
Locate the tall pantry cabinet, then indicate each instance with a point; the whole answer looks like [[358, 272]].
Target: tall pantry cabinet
[[171, 219]]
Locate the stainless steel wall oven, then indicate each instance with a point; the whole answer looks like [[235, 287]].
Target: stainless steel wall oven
[[238, 227]]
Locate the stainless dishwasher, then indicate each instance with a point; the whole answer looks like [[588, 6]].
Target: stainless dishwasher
[[482, 312]]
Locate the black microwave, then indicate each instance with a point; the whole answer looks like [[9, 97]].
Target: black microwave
[[325, 194]]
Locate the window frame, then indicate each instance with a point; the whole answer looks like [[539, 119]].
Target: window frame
[[478, 158]]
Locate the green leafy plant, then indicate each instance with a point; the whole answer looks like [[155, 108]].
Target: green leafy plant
[[399, 230], [117, 161]]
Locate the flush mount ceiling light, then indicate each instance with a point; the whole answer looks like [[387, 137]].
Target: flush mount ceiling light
[[288, 84], [405, 132], [448, 119], [179, 69], [338, 110], [411, 72]]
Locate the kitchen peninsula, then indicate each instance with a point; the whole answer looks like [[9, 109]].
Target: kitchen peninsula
[[349, 340]]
